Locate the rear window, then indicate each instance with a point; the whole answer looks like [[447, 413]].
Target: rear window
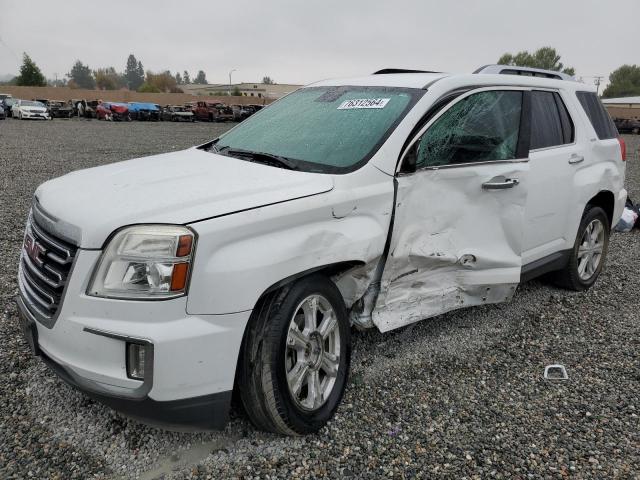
[[550, 122], [598, 116]]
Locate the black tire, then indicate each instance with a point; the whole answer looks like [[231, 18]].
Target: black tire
[[262, 377], [569, 277]]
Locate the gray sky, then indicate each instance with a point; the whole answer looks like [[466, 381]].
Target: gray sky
[[303, 41]]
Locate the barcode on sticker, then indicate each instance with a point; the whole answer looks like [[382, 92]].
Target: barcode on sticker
[[364, 103]]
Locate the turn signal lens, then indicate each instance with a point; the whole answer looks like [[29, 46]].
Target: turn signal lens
[[179, 277], [184, 245]]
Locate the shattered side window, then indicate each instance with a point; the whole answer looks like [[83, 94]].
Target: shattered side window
[[479, 128]]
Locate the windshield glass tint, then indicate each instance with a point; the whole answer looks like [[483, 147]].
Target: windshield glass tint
[[331, 129], [28, 103]]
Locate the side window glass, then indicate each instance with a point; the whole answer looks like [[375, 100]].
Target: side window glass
[[546, 126], [598, 116], [568, 130], [481, 127]]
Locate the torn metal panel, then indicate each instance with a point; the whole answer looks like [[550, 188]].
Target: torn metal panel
[[353, 283], [454, 243]]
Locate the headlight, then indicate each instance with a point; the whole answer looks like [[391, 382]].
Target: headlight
[[148, 262]]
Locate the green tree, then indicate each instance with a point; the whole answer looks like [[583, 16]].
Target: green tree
[[30, 74], [186, 78], [623, 82], [133, 73], [108, 79], [546, 58], [82, 76], [268, 80], [178, 78], [236, 92], [160, 82], [201, 78]]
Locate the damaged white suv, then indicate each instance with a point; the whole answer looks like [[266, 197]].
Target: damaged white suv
[[160, 285]]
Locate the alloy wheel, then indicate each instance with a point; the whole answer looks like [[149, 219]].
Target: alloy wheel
[[312, 356], [590, 249]]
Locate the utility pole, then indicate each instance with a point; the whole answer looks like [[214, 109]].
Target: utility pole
[[597, 79], [234, 70]]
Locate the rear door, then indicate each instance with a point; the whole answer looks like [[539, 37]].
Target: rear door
[[554, 159], [459, 217]]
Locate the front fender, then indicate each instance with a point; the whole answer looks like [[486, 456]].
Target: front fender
[[240, 256]]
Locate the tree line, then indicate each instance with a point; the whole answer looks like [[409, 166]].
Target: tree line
[[134, 77], [623, 82]]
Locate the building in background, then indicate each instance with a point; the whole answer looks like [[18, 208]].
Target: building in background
[[625, 107], [256, 90]]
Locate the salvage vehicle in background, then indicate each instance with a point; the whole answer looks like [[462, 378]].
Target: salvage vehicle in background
[[159, 285], [143, 111], [29, 110], [57, 108], [627, 125], [177, 113], [88, 108], [113, 111], [212, 112], [3, 115], [242, 112], [7, 104], [5, 95]]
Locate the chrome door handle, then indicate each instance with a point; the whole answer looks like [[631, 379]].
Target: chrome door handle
[[500, 183], [576, 159]]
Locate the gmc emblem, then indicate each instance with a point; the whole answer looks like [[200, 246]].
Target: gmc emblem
[[34, 250]]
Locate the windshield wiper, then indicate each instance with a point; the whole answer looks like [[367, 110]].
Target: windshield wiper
[[260, 157]]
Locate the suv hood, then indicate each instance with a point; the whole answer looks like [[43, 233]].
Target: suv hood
[[176, 188]]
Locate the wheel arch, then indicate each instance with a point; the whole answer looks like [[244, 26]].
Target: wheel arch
[[605, 200], [328, 270]]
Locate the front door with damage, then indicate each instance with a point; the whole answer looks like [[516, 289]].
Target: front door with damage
[[458, 229]]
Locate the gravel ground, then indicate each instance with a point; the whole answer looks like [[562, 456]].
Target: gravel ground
[[458, 396]]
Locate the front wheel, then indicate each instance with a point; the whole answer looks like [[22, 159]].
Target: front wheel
[[589, 251], [295, 357]]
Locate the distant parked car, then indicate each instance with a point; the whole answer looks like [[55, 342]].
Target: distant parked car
[[56, 108], [60, 109], [177, 113], [3, 115], [88, 108], [4, 95], [28, 109], [627, 125], [144, 111], [212, 112], [113, 111], [7, 103], [242, 112]]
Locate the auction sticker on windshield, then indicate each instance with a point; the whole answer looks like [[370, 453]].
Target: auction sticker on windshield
[[364, 103]]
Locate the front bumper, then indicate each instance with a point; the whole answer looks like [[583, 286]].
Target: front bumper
[[193, 357], [33, 115]]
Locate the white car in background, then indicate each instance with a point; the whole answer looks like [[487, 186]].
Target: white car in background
[[24, 109]]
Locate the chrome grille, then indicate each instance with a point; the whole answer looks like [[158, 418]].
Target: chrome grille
[[45, 265]]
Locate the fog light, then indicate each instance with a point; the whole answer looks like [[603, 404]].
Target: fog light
[[135, 360]]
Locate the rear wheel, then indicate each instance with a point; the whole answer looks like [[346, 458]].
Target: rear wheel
[[295, 357], [589, 251]]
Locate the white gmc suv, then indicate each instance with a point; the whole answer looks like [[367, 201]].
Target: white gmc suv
[[160, 285]]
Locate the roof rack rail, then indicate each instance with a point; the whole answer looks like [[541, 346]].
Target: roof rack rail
[[400, 70], [525, 71]]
